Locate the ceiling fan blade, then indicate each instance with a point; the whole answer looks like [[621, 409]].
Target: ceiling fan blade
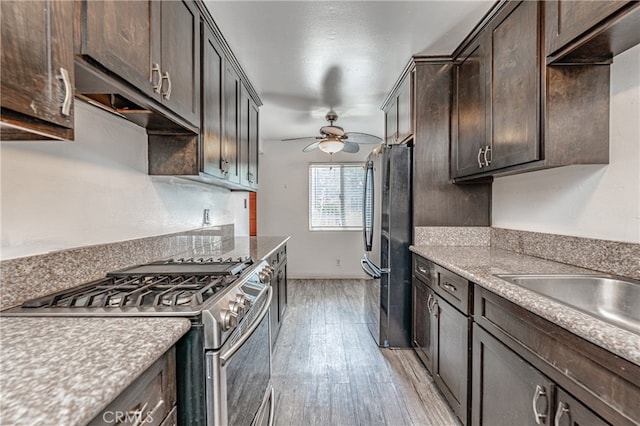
[[365, 138], [351, 147], [332, 130], [311, 147], [306, 139]]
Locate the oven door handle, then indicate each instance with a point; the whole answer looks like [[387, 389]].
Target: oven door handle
[[233, 349]]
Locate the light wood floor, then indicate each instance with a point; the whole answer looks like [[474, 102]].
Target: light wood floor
[[327, 369]]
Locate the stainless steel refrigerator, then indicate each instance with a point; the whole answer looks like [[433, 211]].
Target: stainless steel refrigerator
[[387, 229]]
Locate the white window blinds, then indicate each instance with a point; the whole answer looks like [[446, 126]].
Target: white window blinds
[[335, 196]]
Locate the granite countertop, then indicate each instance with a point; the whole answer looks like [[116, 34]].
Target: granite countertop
[[67, 370], [479, 264], [255, 247]]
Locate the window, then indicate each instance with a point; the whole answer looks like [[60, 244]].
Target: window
[[335, 196]]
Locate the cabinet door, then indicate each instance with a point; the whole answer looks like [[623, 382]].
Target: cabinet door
[[253, 144], [404, 106], [211, 131], [451, 367], [515, 87], [506, 390], [243, 137], [566, 20], [424, 325], [391, 124], [180, 88], [470, 111], [121, 36], [37, 49], [230, 124], [570, 412]]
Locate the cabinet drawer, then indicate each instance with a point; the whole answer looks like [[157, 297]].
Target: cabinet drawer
[[454, 289], [423, 269], [149, 400]]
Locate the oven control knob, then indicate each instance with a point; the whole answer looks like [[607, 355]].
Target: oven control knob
[[242, 299], [237, 308], [264, 277], [229, 320], [271, 271]]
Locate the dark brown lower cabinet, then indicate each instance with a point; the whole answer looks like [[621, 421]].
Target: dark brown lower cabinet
[[451, 363], [441, 338], [507, 390], [423, 325]]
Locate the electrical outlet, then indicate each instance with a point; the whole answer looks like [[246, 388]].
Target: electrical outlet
[[206, 220]]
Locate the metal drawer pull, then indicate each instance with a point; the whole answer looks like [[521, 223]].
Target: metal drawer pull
[[540, 418], [155, 69], [430, 301], [480, 152], [167, 94], [563, 409], [68, 92], [449, 286], [422, 269]]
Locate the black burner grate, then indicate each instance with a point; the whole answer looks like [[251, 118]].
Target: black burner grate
[[138, 291]]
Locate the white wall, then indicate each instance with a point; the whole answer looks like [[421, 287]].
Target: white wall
[[600, 202], [283, 209], [58, 195]]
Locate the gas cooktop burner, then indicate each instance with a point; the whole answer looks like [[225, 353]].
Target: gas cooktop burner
[[137, 291]]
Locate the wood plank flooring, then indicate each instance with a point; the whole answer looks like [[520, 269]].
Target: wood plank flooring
[[327, 369]]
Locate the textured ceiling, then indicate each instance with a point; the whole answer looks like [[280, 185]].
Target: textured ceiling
[[305, 57]]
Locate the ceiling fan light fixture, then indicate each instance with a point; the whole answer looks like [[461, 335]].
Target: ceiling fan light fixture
[[331, 145]]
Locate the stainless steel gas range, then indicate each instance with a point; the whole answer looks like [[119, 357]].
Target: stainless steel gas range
[[224, 361]]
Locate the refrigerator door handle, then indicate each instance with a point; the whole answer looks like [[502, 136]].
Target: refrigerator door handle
[[371, 268], [366, 267]]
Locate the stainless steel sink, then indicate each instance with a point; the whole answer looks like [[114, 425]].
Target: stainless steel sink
[[612, 299]]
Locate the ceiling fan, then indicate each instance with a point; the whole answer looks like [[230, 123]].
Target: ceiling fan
[[334, 139]]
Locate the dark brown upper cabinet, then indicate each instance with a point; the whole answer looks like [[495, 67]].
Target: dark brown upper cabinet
[[497, 108], [512, 113], [37, 77], [211, 128], [399, 113], [248, 141], [231, 125], [223, 153], [469, 126], [590, 31], [153, 46]]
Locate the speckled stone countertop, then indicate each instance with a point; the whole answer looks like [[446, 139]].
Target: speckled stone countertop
[[254, 247], [64, 371], [479, 264]]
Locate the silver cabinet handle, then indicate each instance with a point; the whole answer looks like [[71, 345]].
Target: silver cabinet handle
[[435, 307], [563, 409], [429, 304], [68, 92], [157, 84], [449, 286], [166, 95], [422, 269], [480, 152], [539, 417], [486, 151]]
